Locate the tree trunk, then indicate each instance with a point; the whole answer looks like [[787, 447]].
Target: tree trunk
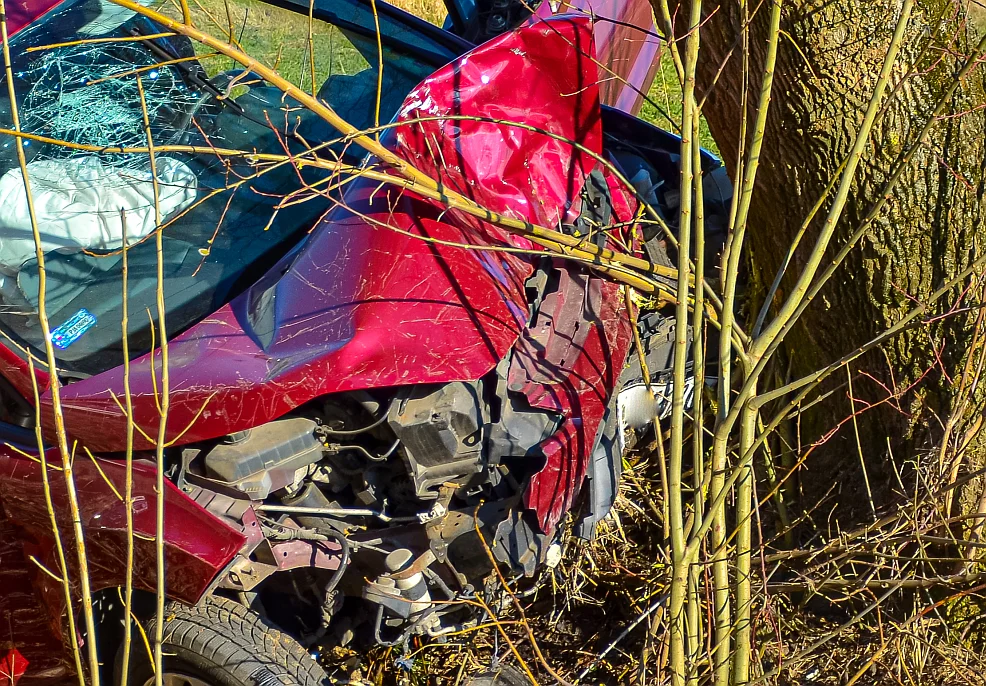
[[830, 56]]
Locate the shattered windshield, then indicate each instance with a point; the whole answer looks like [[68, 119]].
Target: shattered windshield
[[225, 220]]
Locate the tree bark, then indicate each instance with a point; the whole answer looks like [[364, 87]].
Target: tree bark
[[931, 228]]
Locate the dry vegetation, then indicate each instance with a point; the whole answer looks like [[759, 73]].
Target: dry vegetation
[[431, 10]]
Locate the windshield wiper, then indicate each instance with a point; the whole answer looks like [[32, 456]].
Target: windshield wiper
[[193, 77]]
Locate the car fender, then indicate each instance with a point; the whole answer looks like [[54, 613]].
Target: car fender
[[198, 545]]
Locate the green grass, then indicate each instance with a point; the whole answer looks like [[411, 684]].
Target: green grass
[[664, 108], [277, 37]]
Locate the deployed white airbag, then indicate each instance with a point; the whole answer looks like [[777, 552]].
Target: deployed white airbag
[[78, 202]]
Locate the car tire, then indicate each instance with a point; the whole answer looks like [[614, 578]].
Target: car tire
[[501, 676], [221, 643]]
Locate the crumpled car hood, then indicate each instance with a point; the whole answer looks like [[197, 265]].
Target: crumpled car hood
[[387, 290]]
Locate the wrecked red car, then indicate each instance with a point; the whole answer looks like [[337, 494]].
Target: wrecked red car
[[362, 382]]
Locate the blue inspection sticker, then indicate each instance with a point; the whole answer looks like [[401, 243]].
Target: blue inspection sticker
[[72, 330]]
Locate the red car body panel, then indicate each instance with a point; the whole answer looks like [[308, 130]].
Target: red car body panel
[[361, 305], [198, 545], [15, 369], [627, 46], [27, 627], [193, 559], [533, 176], [21, 13], [404, 315]]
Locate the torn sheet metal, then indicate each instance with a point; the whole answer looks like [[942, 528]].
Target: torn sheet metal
[[361, 305], [197, 544], [508, 113], [568, 357], [628, 46]]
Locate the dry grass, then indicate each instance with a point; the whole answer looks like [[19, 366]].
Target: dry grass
[[575, 611], [430, 10], [595, 603]]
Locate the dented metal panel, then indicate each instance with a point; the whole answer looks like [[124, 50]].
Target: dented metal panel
[[361, 305], [627, 43]]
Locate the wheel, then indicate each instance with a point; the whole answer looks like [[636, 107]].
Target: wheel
[[221, 643], [501, 676]]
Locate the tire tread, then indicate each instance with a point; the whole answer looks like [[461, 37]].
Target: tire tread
[[238, 642]]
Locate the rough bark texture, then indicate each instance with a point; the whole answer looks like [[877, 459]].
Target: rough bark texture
[[932, 227]]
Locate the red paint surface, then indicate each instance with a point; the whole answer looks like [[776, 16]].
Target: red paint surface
[[24, 621], [517, 77], [20, 13], [533, 176], [16, 370], [12, 667], [579, 387], [197, 544], [627, 43]]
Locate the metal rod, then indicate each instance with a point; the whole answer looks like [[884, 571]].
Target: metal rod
[[332, 512]]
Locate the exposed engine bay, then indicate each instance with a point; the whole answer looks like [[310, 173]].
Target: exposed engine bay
[[364, 510], [388, 487], [371, 515]]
